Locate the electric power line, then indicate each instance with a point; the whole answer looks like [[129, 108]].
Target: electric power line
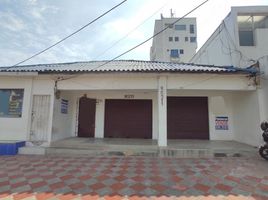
[[125, 36], [161, 31], [65, 38]]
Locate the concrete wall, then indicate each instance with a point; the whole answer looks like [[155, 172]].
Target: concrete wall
[[220, 90], [62, 126], [220, 104], [247, 118], [160, 50], [132, 81], [17, 128]]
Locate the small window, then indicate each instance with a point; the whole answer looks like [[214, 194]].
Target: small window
[[186, 39], [246, 38], [174, 53], [170, 39], [181, 51], [169, 25], [245, 30], [11, 102], [192, 39], [176, 39], [181, 27], [191, 28]]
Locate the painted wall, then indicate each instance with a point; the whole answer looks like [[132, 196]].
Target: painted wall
[[222, 102], [63, 122], [161, 46], [247, 118], [133, 81], [17, 128]]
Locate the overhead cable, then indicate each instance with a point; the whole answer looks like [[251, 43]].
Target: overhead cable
[[125, 36], [161, 31], [70, 35]]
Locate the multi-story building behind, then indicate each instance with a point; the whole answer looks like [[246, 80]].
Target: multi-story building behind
[[240, 40], [176, 44]]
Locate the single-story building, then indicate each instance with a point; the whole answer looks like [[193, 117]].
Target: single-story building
[[128, 99]]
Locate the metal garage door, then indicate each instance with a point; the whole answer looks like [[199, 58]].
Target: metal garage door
[[187, 118], [128, 118]]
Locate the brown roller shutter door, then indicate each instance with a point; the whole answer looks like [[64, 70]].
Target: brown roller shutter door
[[187, 118], [128, 118]]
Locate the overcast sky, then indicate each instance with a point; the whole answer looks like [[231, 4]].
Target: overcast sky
[[29, 26]]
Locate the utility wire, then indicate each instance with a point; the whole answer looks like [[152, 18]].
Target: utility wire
[[161, 31], [65, 38], [125, 36]]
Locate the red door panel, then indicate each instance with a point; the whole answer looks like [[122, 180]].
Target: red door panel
[[128, 118], [187, 118], [86, 117]]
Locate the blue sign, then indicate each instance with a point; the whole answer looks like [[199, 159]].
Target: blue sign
[[11, 101], [64, 106]]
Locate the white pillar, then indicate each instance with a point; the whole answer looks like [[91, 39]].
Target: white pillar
[[99, 118], [162, 111]]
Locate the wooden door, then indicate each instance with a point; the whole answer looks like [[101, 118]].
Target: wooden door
[[86, 117]]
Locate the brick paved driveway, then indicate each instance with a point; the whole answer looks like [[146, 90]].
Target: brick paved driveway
[[55, 177]]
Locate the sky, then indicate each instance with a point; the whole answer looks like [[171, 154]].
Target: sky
[[29, 26]]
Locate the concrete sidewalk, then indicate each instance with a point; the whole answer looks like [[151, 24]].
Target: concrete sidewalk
[[148, 147], [96, 177]]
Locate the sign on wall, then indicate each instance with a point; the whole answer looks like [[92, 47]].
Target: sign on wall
[[11, 102], [64, 106], [221, 123]]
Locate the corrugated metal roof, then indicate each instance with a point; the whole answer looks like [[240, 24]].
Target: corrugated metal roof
[[121, 66]]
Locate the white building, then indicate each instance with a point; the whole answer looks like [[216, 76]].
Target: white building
[[128, 99], [241, 40], [176, 44]]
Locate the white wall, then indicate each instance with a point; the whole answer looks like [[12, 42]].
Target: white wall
[[247, 118], [239, 107], [19, 128], [161, 46], [16, 128], [62, 123], [132, 81], [220, 104]]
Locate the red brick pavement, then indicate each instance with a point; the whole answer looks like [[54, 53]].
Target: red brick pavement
[[55, 177]]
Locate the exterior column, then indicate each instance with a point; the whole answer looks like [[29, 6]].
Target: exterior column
[[162, 111]]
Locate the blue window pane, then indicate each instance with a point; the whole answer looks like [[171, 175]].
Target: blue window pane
[[174, 53]]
